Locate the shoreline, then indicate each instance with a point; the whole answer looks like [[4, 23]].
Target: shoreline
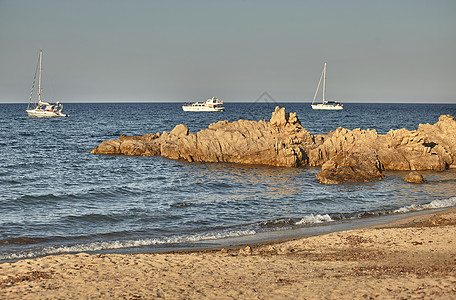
[[257, 238], [414, 256], [375, 222]]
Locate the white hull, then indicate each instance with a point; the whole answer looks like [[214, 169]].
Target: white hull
[[44, 114], [327, 107], [201, 108]]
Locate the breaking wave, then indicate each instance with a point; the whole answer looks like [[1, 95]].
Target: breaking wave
[[432, 205], [314, 219], [306, 220], [115, 245]]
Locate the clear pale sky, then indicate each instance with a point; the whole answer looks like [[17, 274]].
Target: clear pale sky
[[134, 51]]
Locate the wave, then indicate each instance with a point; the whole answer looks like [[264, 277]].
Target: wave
[[306, 220], [21, 241], [104, 192], [181, 204], [331, 217], [116, 245], [315, 219], [278, 223], [435, 204], [90, 218]]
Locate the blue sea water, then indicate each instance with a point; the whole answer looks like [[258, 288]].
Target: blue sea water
[[56, 197]]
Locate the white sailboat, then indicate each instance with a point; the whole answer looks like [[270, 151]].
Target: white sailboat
[[326, 104], [40, 108]]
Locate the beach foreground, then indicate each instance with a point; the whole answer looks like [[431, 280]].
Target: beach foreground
[[411, 258]]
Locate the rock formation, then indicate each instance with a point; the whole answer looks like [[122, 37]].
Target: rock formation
[[282, 141], [279, 142]]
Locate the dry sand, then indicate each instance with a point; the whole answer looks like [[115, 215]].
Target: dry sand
[[413, 258]]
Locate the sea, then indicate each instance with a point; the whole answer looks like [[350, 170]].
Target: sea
[[57, 198]]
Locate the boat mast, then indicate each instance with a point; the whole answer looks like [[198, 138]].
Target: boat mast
[[33, 85], [318, 86], [39, 77], [324, 83]]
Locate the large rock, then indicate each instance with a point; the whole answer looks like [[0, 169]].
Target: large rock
[[277, 142], [352, 167]]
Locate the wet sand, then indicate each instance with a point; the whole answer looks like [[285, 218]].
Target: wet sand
[[411, 258]]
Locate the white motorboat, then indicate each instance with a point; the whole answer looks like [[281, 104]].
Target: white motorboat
[[212, 104], [326, 104], [40, 108]]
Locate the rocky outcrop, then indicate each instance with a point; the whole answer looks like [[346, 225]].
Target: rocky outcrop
[[282, 141], [279, 142]]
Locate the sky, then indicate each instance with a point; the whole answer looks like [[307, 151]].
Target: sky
[[180, 51]]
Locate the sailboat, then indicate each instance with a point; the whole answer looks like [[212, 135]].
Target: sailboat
[[40, 108], [326, 104]]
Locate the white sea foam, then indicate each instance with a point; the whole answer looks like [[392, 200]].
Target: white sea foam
[[314, 219], [432, 205], [99, 246]]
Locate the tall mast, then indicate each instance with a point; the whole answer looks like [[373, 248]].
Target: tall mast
[[318, 87], [39, 77], [324, 82]]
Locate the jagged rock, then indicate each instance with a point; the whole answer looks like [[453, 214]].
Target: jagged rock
[[353, 167], [282, 141], [414, 177], [280, 118], [170, 143]]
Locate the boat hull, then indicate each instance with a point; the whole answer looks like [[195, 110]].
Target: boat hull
[[327, 107], [44, 114]]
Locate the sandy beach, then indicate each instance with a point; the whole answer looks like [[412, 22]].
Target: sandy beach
[[413, 258]]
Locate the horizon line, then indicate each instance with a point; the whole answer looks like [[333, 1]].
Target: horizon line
[[241, 101]]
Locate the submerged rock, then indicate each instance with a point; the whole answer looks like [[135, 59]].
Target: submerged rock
[[349, 155], [414, 177]]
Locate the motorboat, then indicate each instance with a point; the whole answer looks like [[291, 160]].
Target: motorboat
[[211, 104]]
